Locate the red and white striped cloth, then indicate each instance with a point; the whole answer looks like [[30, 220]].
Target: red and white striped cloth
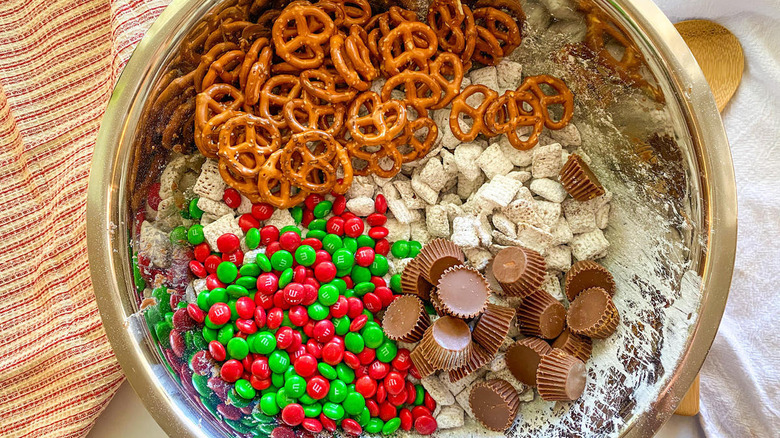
[[59, 60]]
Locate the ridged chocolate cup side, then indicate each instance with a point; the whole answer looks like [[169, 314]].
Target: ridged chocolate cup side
[[586, 274], [437, 304], [579, 181], [541, 315], [437, 256], [423, 365], [476, 360], [492, 327], [576, 345], [405, 319], [463, 291], [593, 314], [520, 271], [523, 357], [446, 343], [413, 282], [494, 403], [560, 377]]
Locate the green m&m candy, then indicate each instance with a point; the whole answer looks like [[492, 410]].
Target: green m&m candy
[[194, 210], [179, 235], [343, 259], [297, 214], [327, 371], [400, 249], [374, 425], [414, 248], [354, 342], [331, 243], [286, 277], [278, 361], [281, 260], [237, 291], [305, 255], [339, 283], [317, 234], [277, 380], [237, 348], [263, 343], [373, 335], [391, 426], [350, 244], [268, 404], [292, 228], [328, 294], [252, 238], [395, 283], [322, 209], [346, 374], [360, 274], [225, 334], [317, 224], [341, 325], [387, 351], [283, 399], [227, 272], [295, 386], [364, 240], [218, 295], [195, 234], [263, 262], [312, 410], [354, 403], [245, 389], [318, 312], [333, 411], [380, 266], [364, 287], [338, 391]]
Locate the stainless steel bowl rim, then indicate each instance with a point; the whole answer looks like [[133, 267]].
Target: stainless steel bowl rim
[[106, 196]]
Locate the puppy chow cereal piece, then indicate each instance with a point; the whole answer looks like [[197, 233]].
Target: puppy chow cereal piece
[[534, 238], [478, 257], [449, 166], [520, 175], [552, 286], [432, 174], [517, 157], [464, 231], [547, 161], [437, 221], [523, 211], [362, 186], [155, 244], [419, 231], [381, 182], [408, 195], [510, 74], [217, 208], [210, 184], [504, 225], [462, 398], [493, 162], [568, 137], [450, 198], [548, 189], [498, 363], [207, 219], [559, 258], [450, 417], [487, 76], [362, 206], [199, 285], [169, 180], [423, 190], [397, 266], [485, 230], [550, 212], [500, 190], [466, 159], [580, 217], [508, 376], [589, 246], [280, 219], [561, 232], [400, 211], [466, 186], [223, 225], [438, 390], [446, 138], [602, 216], [397, 230], [465, 382], [245, 207], [502, 239], [524, 194]]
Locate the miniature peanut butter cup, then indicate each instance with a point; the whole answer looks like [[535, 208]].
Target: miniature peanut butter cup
[[476, 360], [494, 403], [578, 346], [446, 343], [492, 327], [579, 181], [462, 291], [522, 359], [405, 319], [413, 282], [520, 271], [541, 315], [586, 274], [422, 363], [437, 256], [560, 377], [436, 303], [593, 314]]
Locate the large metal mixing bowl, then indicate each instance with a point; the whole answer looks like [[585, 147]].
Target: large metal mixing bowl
[[691, 186]]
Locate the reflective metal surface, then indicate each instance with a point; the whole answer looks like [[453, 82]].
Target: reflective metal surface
[[670, 73]]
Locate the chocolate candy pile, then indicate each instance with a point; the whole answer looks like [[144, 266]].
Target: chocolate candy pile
[[284, 333]]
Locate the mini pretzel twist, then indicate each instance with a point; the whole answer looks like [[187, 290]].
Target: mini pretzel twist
[[421, 91], [562, 96], [315, 170], [351, 59], [454, 26], [375, 157], [277, 91], [274, 188], [487, 49], [447, 64], [418, 44], [512, 111], [302, 46], [244, 143], [357, 12], [417, 147], [502, 26], [328, 118], [368, 117], [207, 59], [209, 103], [477, 114], [327, 86]]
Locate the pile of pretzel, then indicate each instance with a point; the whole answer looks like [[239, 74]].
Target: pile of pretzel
[[295, 110]]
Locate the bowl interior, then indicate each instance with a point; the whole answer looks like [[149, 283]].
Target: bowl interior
[[635, 91]]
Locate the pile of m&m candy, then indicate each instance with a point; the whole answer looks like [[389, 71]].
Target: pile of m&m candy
[[285, 337]]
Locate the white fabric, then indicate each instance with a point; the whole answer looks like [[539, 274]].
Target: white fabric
[[740, 380]]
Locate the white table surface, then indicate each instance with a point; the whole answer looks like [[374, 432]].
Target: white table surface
[[126, 417]]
